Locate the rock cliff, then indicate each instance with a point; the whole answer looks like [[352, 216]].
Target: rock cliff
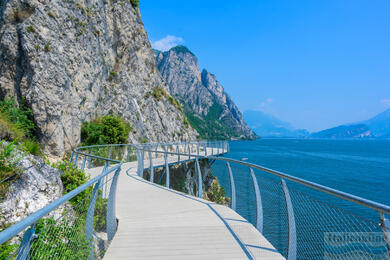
[[37, 185], [208, 107], [76, 60]]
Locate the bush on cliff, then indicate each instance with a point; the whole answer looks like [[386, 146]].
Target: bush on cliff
[[20, 116], [8, 170], [72, 178], [105, 130], [17, 124]]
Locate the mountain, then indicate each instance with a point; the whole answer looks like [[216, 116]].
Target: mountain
[[266, 125], [207, 106], [376, 127], [380, 124], [73, 61], [345, 131]]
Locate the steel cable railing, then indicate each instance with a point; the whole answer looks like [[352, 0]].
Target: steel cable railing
[[81, 224], [78, 225], [302, 220]]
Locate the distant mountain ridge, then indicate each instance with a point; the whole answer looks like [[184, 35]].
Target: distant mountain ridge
[[266, 125], [376, 127], [207, 106]]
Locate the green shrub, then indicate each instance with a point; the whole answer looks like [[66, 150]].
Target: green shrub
[[9, 131], [73, 178], [113, 75], [216, 193], [20, 116], [8, 161], [135, 3], [185, 121], [158, 93], [48, 47], [32, 147], [6, 249], [30, 29], [106, 130], [175, 103], [61, 239]]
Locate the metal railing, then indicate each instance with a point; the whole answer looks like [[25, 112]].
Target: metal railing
[[80, 224], [302, 219]]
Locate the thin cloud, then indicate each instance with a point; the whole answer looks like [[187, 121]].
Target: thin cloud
[[386, 102], [266, 102], [167, 43]]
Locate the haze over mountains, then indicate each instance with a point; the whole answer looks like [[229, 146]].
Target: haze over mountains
[[376, 127], [266, 125]]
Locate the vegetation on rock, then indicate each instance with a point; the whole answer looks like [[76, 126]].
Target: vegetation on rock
[[210, 126], [19, 117], [8, 170], [17, 124], [135, 3], [105, 130], [216, 193]]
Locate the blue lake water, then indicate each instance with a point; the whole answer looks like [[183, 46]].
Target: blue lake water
[[359, 167]]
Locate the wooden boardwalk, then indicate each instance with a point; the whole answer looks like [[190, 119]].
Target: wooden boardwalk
[[159, 223]]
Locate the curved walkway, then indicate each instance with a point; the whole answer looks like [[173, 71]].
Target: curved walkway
[[159, 223]]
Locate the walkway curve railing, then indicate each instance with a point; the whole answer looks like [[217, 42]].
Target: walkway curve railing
[[293, 250], [301, 219], [34, 242]]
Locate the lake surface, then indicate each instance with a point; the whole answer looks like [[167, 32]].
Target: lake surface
[[359, 167]]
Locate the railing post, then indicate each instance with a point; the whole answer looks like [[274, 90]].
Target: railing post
[[232, 186], [111, 223], [167, 184], [178, 153], [109, 152], [197, 148], [75, 159], [25, 246], [189, 151], [140, 160], [292, 236], [89, 158], [385, 224], [205, 148], [89, 220], [259, 206], [84, 161], [128, 154], [151, 167], [71, 157], [200, 179]]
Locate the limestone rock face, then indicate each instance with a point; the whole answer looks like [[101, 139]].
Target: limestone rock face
[[38, 186], [76, 60], [201, 92]]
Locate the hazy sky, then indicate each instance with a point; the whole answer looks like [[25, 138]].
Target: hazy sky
[[313, 63]]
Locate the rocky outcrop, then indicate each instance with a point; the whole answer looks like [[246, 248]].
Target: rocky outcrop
[[76, 60], [208, 107], [36, 186]]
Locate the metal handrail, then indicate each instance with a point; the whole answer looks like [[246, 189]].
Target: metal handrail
[[29, 221], [33, 218], [343, 195]]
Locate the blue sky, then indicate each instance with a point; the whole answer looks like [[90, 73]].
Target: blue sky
[[316, 63]]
